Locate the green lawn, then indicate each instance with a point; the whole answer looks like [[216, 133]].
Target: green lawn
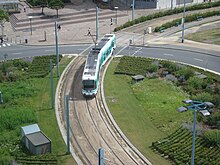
[[30, 102], [145, 111], [207, 36], [46, 116]]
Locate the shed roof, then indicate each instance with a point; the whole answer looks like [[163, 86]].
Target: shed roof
[[38, 138], [138, 77], [30, 129]]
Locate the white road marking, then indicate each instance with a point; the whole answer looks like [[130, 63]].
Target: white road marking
[[136, 51], [167, 54], [50, 50], [16, 53], [120, 50], [197, 59]]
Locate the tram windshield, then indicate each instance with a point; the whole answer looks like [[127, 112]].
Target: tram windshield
[[89, 84]]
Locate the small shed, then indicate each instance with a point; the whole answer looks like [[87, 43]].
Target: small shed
[[35, 140], [137, 78]]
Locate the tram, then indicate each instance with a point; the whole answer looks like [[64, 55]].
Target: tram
[[97, 57]]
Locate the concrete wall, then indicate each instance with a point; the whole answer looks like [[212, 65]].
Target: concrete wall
[[163, 4]]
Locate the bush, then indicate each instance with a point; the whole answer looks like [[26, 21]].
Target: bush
[[195, 83], [185, 72], [202, 97], [214, 119], [152, 68], [216, 100], [170, 12], [188, 18], [11, 119], [212, 137]]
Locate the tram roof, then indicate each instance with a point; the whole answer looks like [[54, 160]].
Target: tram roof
[[92, 59]]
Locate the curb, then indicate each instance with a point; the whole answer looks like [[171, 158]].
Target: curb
[[184, 48], [115, 124], [57, 108]]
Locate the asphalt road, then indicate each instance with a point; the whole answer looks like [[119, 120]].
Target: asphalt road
[[205, 60]]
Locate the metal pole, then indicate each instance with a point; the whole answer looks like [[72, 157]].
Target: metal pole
[[194, 137], [30, 18], [101, 156], [31, 26], [110, 28], [57, 50], [67, 125], [133, 10], [171, 4], [1, 98], [97, 24], [51, 83], [2, 25], [183, 20]]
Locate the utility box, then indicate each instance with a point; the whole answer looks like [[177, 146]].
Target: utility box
[[35, 140]]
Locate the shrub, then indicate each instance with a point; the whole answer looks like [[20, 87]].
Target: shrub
[[202, 97], [212, 137], [195, 82], [12, 118], [152, 68], [214, 119], [174, 11], [185, 72], [216, 100]]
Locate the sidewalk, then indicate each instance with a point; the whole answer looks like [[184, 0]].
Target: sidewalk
[[76, 19], [175, 40]]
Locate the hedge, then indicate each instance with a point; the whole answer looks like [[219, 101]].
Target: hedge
[[188, 18], [167, 12]]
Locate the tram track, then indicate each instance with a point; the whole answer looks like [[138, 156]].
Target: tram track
[[90, 126]]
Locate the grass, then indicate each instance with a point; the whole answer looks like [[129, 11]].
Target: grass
[[145, 111], [206, 36], [40, 105], [47, 118]]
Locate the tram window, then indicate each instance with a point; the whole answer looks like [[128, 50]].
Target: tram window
[[112, 43], [89, 84]]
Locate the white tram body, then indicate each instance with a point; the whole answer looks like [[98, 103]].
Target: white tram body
[[97, 57]]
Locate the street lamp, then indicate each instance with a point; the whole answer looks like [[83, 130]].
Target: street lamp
[[195, 106], [183, 20], [116, 8], [132, 10], [30, 18]]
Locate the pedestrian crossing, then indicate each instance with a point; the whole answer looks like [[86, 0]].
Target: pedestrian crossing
[[4, 45]]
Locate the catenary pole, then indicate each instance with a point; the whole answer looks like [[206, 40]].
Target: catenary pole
[[133, 10], [194, 137], [183, 20], [67, 125], [97, 24], [57, 50], [51, 83]]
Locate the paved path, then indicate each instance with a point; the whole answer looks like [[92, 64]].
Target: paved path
[[76, 19]]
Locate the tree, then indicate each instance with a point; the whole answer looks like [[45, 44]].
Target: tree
[[56, 4], [3, 18], [42, 4]]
